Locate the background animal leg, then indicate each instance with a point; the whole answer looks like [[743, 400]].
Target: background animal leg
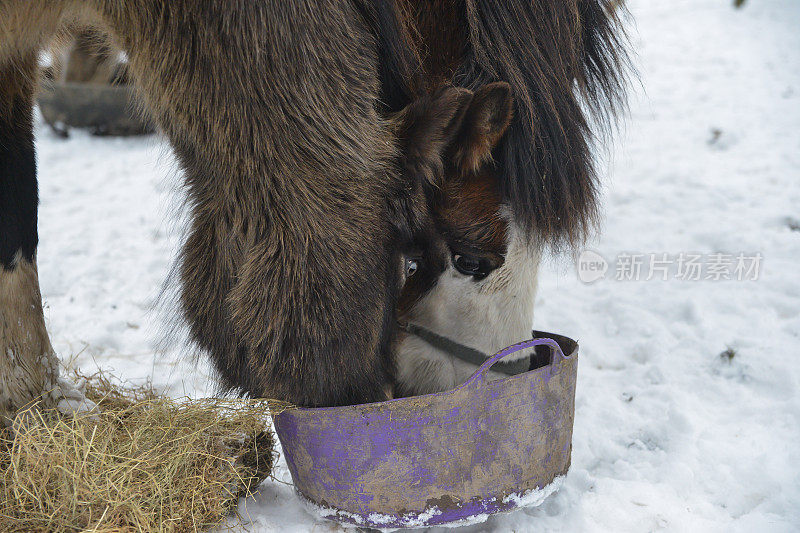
[[28, 364]]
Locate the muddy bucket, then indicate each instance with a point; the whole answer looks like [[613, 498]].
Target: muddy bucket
[[485, 447]]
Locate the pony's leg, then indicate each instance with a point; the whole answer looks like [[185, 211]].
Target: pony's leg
[[28, 364]]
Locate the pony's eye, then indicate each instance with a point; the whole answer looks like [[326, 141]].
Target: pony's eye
[[412, 265], [472, 266]]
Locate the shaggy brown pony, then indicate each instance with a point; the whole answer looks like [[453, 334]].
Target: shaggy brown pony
[[282, 115]]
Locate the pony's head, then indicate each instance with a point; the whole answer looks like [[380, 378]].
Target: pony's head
[[515, 169], [470, 270]]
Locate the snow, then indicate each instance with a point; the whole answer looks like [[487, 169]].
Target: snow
[[352, 521], [528, 498], [668, 433]]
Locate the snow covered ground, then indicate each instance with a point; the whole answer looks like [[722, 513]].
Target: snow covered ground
[[669, 434]]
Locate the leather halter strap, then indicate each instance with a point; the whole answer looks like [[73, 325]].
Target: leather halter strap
[[465, 353]]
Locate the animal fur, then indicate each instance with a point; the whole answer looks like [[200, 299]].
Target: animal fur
[[303, 195], [290, 272], [562, 60], [469, 217], [503, 196]]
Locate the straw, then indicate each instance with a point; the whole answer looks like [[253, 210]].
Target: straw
[[144, 463]]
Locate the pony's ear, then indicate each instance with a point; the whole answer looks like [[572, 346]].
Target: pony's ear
[[426, 128], [483, 125]]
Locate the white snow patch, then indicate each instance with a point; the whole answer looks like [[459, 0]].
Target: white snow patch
[[345, 518], [535, 497]]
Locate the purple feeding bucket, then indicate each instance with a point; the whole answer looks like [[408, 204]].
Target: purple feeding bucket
[[484, 447]]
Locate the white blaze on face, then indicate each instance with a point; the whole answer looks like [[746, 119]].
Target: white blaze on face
[[487, 315]]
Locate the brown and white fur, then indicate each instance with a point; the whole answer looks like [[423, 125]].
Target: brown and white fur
[[519, 183], [487, 310], [291, 268], [487, 315], [305, 193]]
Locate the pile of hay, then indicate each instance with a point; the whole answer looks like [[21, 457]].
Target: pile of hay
[[144, 463]]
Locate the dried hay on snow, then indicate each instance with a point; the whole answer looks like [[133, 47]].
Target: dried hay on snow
[[144, 463]]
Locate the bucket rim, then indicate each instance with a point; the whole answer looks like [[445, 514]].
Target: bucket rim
[[565, 344]]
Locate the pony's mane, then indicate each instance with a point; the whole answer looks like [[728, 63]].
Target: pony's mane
[[564, 60], [399, 64]]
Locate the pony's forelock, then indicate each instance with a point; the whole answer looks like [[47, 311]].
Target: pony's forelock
[[566, 63]]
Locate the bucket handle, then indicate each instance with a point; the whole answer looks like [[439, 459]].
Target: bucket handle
[[480, 375]]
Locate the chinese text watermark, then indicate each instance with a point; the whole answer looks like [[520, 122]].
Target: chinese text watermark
[[683, 266]]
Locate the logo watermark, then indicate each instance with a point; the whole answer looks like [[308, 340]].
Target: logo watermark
[[591, 266], [662, 266]]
